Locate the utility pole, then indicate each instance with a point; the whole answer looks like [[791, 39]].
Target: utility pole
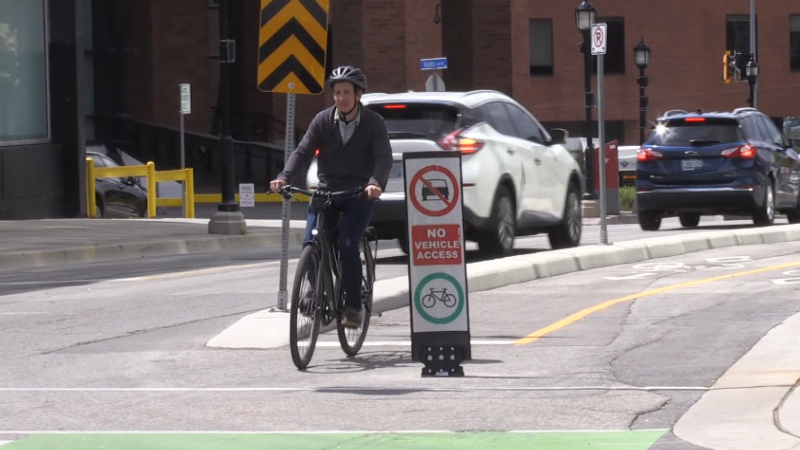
[[228, 219], [753, 48]]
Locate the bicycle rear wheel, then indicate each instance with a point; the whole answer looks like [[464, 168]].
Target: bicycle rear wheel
[[352, 339], [304, 321]]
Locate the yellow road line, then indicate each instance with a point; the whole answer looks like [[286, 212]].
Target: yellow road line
[[569, 320]]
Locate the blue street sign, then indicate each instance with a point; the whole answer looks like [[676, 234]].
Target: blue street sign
[[433, 63]]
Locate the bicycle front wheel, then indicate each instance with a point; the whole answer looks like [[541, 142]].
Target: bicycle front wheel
[[351, 339], [304, 321]]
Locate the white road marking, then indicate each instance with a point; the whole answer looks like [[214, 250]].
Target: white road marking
[[643, 430], [21, 313], [361, 389]]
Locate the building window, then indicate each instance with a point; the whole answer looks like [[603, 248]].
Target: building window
[[737, 34], [614, 59], [794, 42], [23, 72], [541, 46]]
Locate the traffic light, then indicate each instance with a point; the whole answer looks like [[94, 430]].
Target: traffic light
[[726, 67]]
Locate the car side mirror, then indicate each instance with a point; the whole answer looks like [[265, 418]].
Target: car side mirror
[[130, 181], [558, 135]]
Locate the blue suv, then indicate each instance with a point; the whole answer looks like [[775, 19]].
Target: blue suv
[[736, 163]]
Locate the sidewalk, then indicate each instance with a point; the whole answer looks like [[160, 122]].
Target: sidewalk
[[36, 243]]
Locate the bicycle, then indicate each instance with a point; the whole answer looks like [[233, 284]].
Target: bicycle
[[429, 300], [319, 261]]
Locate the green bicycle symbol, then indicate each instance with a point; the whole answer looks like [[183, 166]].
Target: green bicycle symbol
[[441, 295]]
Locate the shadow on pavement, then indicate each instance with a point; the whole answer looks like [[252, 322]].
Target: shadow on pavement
[[374, 360]]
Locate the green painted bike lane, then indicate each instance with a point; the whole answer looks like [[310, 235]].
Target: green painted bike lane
[[623, 440]]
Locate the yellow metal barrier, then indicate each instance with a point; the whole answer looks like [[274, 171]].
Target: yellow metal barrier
[[186, 175], [148, 170]]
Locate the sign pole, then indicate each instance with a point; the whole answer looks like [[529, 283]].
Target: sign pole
[[602, 149], [292, 47], [186, 108], [599, 44], [285, 217]]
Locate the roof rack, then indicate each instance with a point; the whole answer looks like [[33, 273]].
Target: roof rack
[[482, 91], [744, 109], [674, 112]]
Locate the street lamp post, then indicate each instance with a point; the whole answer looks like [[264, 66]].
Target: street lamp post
[[752, 75], [585, 15], [641, 55]]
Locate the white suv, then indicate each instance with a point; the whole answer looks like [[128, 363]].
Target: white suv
[[517, 179]]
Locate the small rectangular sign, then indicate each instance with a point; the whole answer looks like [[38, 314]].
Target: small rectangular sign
[[247, 195], [599, 37], [186, 98], [433, 63]]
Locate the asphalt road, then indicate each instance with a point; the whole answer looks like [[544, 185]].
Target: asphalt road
[[392, 262], [130, 354]]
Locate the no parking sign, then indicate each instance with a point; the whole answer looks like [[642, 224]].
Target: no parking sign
[[440, 335]]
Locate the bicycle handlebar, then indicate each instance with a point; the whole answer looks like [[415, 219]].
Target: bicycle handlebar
[[286, 191]]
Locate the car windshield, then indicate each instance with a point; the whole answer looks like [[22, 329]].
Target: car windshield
[[417, 120], [678, 133]]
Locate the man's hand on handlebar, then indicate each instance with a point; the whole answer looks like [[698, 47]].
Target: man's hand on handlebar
[[275, 185], [373, 191]]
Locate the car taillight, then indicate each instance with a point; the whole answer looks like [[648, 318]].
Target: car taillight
[[648, 154], [746, 151], [454, 142], [316, 153]]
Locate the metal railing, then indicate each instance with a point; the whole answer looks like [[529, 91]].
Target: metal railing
[[254, 162], [149, 171]]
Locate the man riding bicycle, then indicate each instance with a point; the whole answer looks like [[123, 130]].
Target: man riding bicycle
[[354, 151]]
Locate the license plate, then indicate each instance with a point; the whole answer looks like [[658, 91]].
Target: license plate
[[691, 164], [397, 170]]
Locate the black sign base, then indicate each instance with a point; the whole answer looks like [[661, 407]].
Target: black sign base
[[441, 353], [442, 361]]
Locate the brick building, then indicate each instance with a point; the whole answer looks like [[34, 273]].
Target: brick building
[[526, 48], [108, 71]]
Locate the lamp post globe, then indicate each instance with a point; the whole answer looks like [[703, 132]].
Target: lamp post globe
[[752, 68], [585, 15], [641, 55]]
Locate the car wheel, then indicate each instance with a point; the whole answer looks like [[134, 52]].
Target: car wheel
[[765, 215], [403, 242], [568, 233], [794, 215], [649, 220], [498, 238], [689, 220]]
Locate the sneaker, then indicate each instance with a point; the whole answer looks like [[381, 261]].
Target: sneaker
[[352, 319]]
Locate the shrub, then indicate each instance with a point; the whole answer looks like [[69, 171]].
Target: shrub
[[627, 194]]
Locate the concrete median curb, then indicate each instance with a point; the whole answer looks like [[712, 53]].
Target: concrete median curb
[[393, 293], [130, 250]]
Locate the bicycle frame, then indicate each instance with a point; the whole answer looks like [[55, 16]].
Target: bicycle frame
[[330, 266]]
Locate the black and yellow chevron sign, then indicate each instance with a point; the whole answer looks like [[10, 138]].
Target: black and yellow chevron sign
[[292, 45]]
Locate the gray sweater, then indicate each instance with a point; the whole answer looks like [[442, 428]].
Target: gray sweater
[[365, 159]]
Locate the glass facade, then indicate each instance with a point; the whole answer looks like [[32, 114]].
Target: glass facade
[[23, 72]]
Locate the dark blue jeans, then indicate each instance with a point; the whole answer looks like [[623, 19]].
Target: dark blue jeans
[[357, 213]]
